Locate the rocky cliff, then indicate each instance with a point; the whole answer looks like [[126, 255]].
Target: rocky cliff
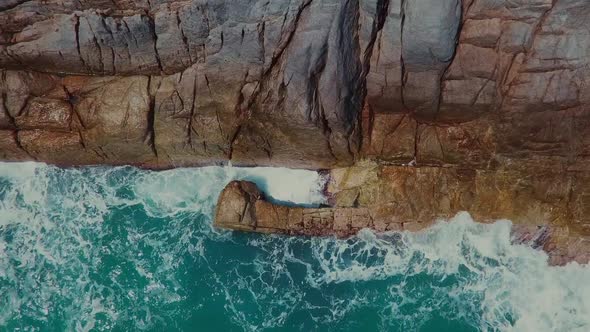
[[308, 83], [488, 96]]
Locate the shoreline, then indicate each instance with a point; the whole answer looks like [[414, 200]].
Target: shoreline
[[242, 206], [361, 187]]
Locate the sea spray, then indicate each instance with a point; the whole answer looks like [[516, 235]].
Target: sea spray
[[118, 248]]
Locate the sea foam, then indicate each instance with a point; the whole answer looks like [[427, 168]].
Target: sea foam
[[98, 248]]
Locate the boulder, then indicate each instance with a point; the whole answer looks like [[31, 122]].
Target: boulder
[[236, 206]]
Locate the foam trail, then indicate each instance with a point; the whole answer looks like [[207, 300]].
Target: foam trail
[[510, 286], [102, 248]]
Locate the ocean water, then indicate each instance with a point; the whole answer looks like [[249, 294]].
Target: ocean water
[[122, 249]]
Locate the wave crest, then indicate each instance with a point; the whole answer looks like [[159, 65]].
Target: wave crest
[[117, 247]]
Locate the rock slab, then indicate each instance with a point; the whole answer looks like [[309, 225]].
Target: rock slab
[[242, 206]]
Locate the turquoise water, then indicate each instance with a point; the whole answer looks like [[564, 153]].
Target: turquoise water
[[124, 249]]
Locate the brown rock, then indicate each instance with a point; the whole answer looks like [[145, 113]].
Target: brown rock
[[348, 221], [411, 199], [117, 126], [272, 216], [236, 206], [398, 194], [392, 138], [10, 150], [54, 147], [48, 114], [242, 206]]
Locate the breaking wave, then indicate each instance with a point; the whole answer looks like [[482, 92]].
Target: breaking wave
[[118, 248]]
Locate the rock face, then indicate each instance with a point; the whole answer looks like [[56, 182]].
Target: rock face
[[200, 82], [487, 100], [514, 94], [305, 83], [241, 206]]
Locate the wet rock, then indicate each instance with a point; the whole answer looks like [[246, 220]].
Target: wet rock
[[561, 245], [241, 206], [408, 200], [236, 207]]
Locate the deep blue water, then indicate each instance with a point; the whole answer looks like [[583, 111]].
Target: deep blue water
[[124, 249]]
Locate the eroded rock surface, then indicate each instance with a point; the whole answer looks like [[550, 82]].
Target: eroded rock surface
[[514, 94], [305, 83], [241, 206], [256, 82]]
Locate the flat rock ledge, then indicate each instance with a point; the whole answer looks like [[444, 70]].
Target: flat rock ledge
[[242, 206]]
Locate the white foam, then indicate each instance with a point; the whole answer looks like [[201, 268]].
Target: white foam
[[514, 280], [51, 220], [52, 235], [192, 189]]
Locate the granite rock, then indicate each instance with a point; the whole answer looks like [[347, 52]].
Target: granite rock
[[305, 83]]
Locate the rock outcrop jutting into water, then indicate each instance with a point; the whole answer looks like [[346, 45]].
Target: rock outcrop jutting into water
[[486, 101], [242, 206]]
